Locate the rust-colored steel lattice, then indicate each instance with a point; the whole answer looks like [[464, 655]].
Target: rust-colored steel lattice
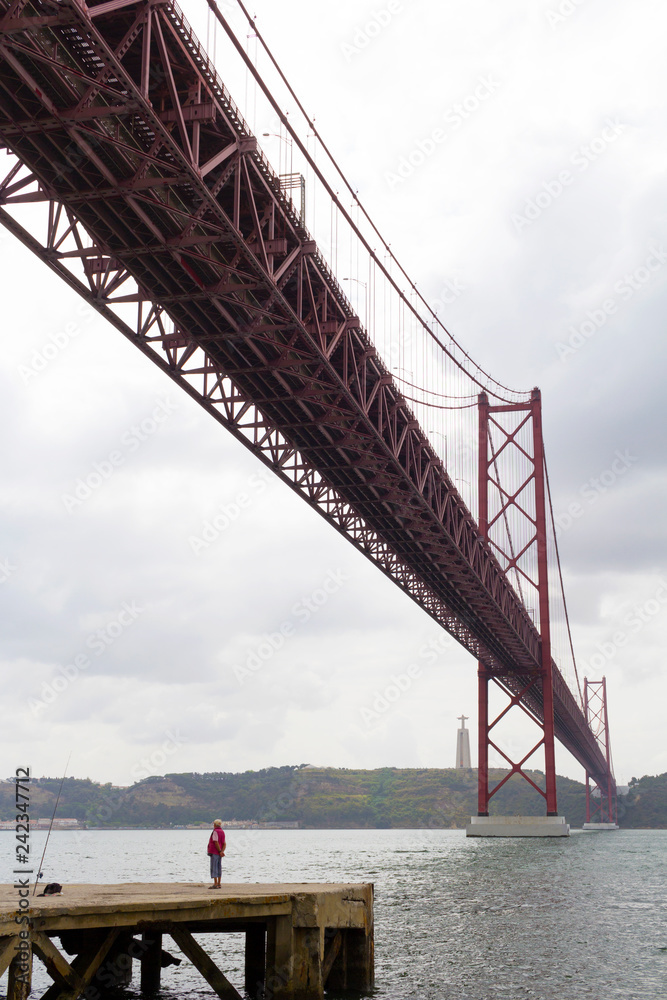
[[601, 798], [160, 210], [512, 518]]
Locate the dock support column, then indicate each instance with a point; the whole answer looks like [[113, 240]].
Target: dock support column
[[117, 967], [255, 960], [334, 965], [151, 966], [279, 958], [20, 974], [307, 963], [359, 947]]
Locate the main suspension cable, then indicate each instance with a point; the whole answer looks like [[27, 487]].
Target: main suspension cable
[[332, 194], [560, 576], [432, 392]]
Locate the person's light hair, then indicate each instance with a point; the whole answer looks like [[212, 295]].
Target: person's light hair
[[217, 822]]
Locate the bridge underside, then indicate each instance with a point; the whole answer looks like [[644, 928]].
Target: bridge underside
[[166, 217]]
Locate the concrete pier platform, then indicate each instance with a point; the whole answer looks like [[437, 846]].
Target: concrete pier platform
[[517, 826], [299, 937], [599, 827]]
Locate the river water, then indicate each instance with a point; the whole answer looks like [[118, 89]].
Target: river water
[[455, 919]]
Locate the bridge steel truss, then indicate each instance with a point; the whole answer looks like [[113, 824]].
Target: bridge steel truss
[[603, 807], [533, 693], [165, 216]]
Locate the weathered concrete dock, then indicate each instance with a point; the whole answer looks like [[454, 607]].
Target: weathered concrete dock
[[298, 937]]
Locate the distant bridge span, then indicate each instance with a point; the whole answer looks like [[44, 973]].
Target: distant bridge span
[[164, 214]]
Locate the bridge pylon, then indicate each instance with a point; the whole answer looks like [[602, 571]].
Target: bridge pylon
[[512, 520], [132, 175], [601, 801]]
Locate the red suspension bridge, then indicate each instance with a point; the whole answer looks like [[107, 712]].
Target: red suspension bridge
[[133, 176]]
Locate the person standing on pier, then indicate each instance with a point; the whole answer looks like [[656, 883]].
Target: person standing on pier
[[216, 852]]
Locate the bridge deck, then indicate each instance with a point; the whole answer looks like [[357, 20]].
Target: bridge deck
[[298, 936], [171, 208]]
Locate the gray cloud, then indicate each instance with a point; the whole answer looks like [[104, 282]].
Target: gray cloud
[[525, 290]]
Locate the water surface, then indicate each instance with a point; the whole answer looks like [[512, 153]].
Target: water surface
[[462, 919]]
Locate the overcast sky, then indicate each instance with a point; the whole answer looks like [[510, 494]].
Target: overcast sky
[[140, 650]]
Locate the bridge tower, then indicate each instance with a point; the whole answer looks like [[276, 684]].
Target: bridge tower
[[601, 802], [134, 178], [512, 520]]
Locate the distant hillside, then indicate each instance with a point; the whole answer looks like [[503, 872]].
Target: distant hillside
[[322, 798], [645, 805]]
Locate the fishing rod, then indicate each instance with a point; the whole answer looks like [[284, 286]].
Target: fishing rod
[[62, 781]]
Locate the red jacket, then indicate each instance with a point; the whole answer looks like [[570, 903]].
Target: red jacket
[[216, 842]]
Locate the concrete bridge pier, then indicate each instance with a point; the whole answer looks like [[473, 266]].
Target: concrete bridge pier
[[518, 826]]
